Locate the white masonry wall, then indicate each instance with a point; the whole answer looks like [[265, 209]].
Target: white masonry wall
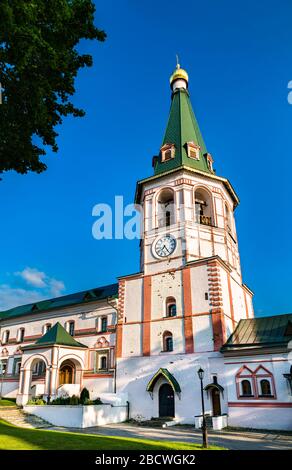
[[260, 413], [135, 373]]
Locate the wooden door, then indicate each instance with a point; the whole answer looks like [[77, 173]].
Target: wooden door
[[166, 401], [216, 402], [66, 375]]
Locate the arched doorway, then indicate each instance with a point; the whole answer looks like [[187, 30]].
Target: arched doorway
[[216, 404], [66, 373], [166, 401]]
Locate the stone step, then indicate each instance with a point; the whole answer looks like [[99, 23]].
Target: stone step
[[155, 422], [17, 417]]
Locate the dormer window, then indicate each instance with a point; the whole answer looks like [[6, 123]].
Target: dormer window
[[193, 151], [167, 152], [210, 161]]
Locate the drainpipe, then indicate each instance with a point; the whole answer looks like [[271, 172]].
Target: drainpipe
[[115, 350], [1, 378]]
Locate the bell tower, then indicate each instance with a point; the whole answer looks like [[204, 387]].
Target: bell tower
[[188, 209], [188, 296]]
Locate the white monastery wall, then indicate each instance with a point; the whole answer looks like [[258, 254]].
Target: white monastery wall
[[135, 373]]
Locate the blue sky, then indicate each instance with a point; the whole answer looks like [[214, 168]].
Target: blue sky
[[238, 56]]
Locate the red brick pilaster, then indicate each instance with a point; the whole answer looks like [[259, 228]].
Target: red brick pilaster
[[216, 302], [146, 315], [188, 321], [121, 308], [230, 300]]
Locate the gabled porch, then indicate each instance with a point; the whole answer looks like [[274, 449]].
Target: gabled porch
[[51, 367]]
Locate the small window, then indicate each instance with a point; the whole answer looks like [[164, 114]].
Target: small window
[[193, 154], [246, 389], [193, 151], [167, 152], [47, 328], [170, 307], [209, 161], [172, 310], [71, 328], [21, 335], [167, 342], [265, 388], [206, 296], [103, 325], [3, 367], [5, 337], [39, 369], [167, 155], [103, 362], [16, 366]]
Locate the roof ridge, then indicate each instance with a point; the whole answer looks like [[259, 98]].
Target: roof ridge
[[111, 290]]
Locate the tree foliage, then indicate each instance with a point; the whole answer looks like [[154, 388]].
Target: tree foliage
[[39, 62]]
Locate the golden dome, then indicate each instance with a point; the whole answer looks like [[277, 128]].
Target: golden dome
[[179, 73]]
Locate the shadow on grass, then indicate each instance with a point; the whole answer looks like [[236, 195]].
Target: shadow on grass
[[15, 438], [7, 402]]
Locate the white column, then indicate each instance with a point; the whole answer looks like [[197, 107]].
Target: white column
[[47, 383], [53, 382], [24, 395]]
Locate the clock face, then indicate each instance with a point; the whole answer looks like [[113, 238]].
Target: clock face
[[165, 246]]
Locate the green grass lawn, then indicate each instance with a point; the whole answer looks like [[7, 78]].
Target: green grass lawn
[[15, 438], [7, 402]]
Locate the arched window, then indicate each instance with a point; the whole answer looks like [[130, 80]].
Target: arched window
[[103, 362], [39, 368], [71, 327], [5, 337], [246, 389], [203, 207], [265, 387], [20, 335], [170, 307], [265, 382], [167, 341], [165, 208], [46, 328]]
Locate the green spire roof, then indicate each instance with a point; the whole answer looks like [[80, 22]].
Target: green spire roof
[[58, 335], [182, 128]]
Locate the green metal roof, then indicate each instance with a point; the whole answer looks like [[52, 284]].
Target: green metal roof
[[168, 376], [265, 332], [91, 295], [57, 335], [182, 127]]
